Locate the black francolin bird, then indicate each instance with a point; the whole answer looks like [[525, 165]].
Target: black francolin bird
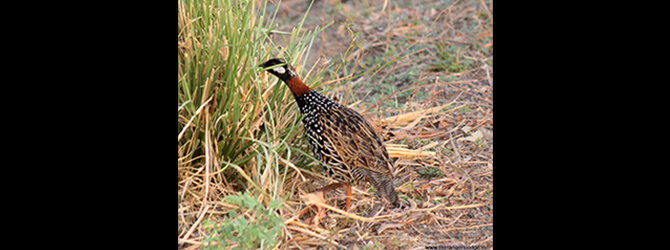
[[340, 137]]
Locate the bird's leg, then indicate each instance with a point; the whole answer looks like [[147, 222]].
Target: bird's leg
[[348, 198], [337, 185]]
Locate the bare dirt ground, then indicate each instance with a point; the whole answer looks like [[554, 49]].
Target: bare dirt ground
[[434, 108]]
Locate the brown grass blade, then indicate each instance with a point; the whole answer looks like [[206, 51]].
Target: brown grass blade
[[401, 151], [404, 119]]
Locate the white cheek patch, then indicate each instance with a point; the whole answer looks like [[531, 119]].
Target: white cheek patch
[[279, 70]]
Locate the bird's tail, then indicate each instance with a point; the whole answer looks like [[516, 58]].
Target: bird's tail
[[386, 188], [388, 191]]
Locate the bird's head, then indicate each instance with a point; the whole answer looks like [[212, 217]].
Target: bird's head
[[280, 68]]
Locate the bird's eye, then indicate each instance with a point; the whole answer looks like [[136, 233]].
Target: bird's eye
[[279, 70]]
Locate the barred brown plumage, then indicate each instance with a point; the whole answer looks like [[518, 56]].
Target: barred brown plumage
[[339, 137]]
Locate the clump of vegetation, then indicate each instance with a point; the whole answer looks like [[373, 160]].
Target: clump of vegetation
[[237, 129], [451, 59], [250, 226], [431, 172]]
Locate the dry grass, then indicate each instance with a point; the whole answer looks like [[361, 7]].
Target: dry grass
[[437, 123], [449, 128], [439, 210]]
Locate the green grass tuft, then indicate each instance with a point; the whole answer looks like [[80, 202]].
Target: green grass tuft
[[237, 127], [238, 232]]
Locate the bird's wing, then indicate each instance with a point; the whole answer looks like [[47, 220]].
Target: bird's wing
[[349, 136]]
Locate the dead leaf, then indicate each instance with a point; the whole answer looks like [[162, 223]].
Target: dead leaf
[[443, 124], [313, 198], [433, 12], [477, 135], [320, 214]]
